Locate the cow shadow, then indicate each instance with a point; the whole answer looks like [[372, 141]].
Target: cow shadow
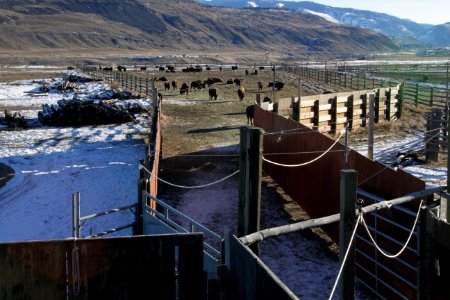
[[215, 129], [235, 114]]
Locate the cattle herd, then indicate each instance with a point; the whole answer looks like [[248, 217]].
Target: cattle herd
[[209, 83]]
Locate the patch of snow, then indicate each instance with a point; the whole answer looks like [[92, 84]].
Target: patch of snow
[[252, 4], [51, 163], [322, 15], [279, 5]]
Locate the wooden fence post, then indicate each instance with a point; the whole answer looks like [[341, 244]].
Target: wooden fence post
[[250, 170], [377, 106], [350, 111], [388, 104], [431, 96], [416, 96], [347, 222], [401, 95], [432, 143], [316, 115], [333, 114], [371, 126]]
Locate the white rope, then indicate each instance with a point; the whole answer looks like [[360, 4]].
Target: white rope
[[406, 243], [305, 163], [346, 255], [195, 186]]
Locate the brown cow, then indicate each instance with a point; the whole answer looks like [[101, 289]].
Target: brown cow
[[241, 93], [166, 86], [174, 84]]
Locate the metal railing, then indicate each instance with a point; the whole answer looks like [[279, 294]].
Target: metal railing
[[409, 267], [170, 216], [77, 219]]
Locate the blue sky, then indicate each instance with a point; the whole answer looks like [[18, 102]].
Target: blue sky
[[420, 11]]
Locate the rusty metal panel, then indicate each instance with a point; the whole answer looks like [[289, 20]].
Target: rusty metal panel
[[315, 187], [108, 268]]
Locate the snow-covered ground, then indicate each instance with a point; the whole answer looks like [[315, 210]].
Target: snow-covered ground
[[52, 163], [101, 162]]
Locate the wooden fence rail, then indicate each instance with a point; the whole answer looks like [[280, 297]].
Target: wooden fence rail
[[412, 92], [330, 112], [144, 87]]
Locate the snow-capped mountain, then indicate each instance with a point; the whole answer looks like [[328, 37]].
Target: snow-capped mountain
[[399, 29]]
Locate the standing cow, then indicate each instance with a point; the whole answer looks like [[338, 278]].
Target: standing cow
[[184, 88], [250, 112], [212, 93], [174, 85], [241, 93], [166, 86], [260, 85]]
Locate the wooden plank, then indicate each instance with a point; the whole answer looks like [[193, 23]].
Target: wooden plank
[[341, 120], [357, 122], [342, 99], [324, 118], [341, 110], [324, 107], [306, 115], [307, 103]]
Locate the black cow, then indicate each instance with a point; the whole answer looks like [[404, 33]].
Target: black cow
[[246, 72], [266, 99], [261, 68], [184, 88], [166, 86], [108, 69], [260, 85], [174, 84], [212, 80], [277, 84], [70, 67], [234, 67], [212, 93], [198, 69], [197, 85], [143, 68], [121, 68], [162, 69], [162, 78], [237, 81], [230, 81], [250, 112], [170, 68]]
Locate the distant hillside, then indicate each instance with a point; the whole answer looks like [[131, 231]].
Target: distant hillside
[[438, 36], [402, 30], [175, 25]]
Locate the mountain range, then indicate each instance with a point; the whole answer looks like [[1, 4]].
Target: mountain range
[[404, 32], [177, 25]]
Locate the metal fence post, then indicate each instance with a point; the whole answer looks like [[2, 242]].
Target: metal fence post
[[76, 215]]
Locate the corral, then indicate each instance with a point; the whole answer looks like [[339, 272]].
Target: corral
[[218, 131]]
